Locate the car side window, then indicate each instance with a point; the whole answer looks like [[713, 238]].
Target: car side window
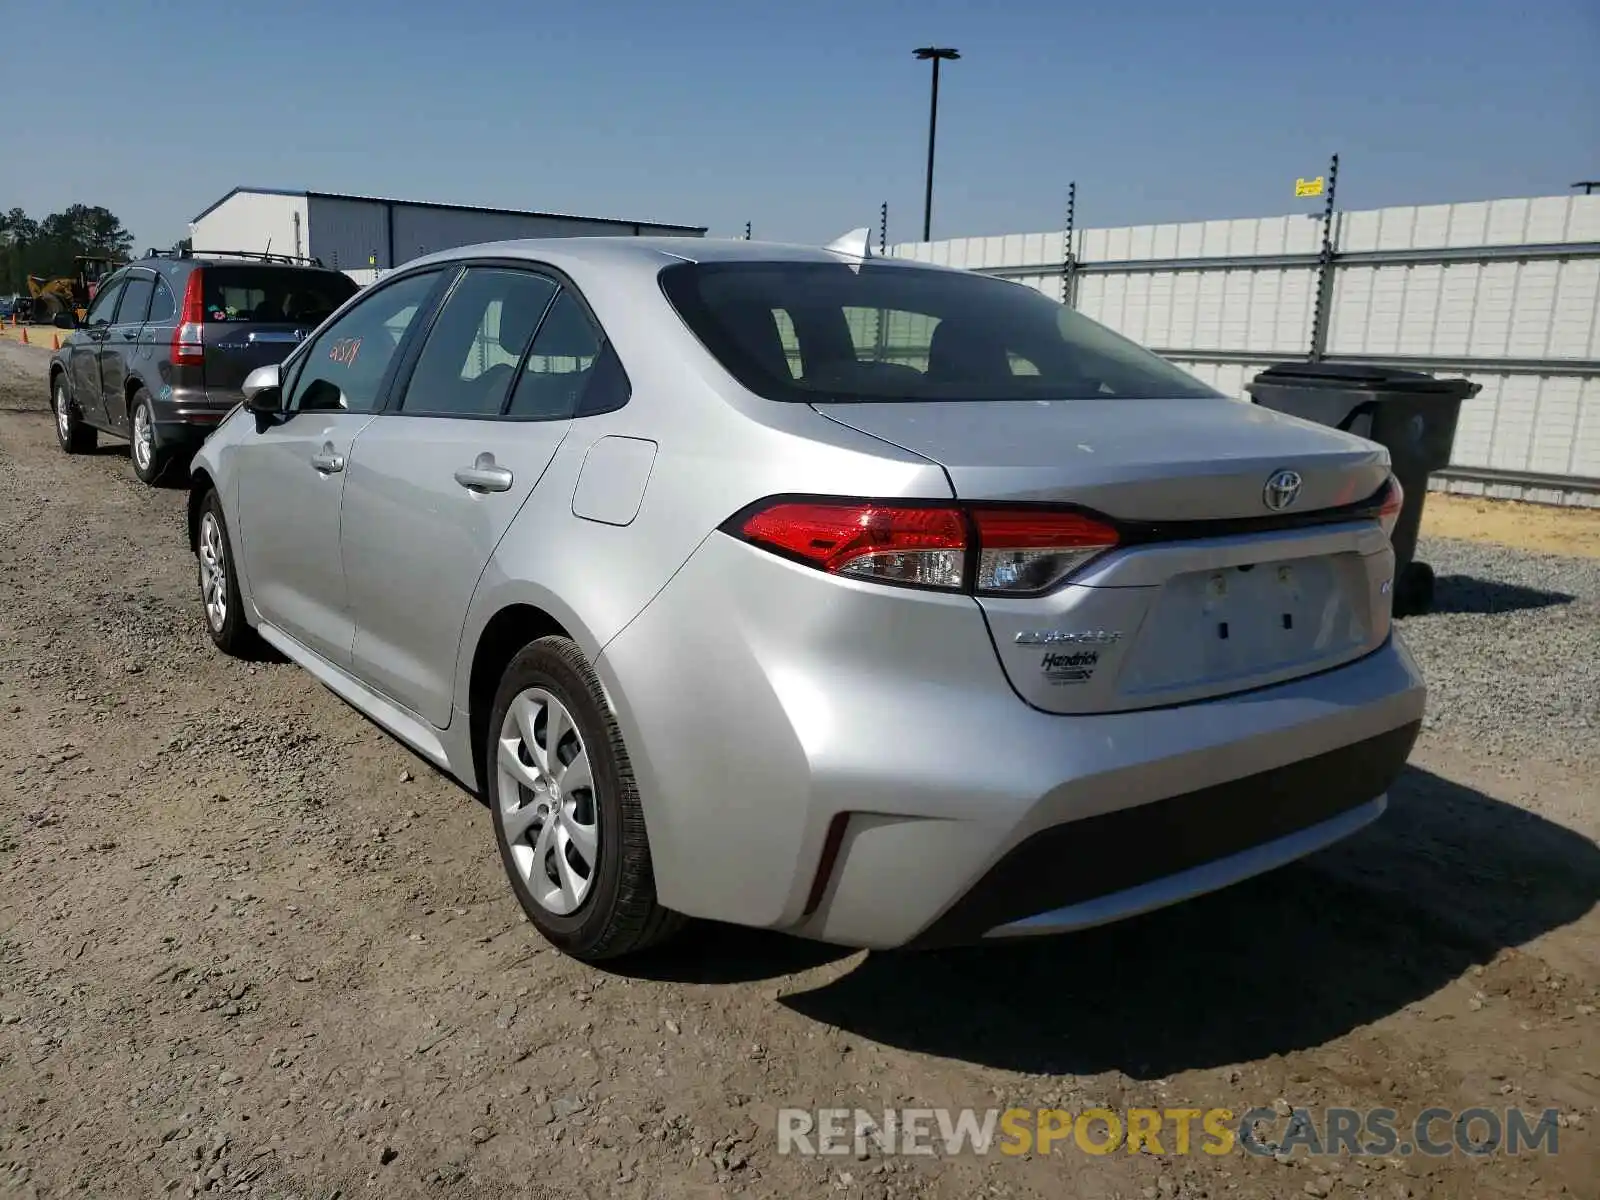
[[135, 299], [163, 304], [343, 371], [469, 362], [571, 371], [105, 302]]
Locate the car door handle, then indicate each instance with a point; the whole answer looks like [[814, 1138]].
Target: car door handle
[[326, 461], [128, 337], [485, 476]]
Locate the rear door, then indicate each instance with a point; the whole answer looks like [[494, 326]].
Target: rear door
[[436, 481], [257, 313], [121, 344], [83, 367]]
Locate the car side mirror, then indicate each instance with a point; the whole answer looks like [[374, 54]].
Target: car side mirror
[[66, 321], [263, 390]]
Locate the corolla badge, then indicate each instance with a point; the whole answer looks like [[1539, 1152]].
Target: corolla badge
[[1282, 490], [1068, 637]]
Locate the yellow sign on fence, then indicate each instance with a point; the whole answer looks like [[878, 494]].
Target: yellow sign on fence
[[1308, 187]]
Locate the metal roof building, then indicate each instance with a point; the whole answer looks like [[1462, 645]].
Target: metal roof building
[[367, 235]]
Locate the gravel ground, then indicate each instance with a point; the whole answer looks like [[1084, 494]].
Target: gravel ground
[[1512, 651], [251, 946]]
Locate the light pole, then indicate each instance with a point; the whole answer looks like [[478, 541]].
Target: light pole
[[935, 54]]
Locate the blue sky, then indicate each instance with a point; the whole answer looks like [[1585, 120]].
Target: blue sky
[[800, 117]]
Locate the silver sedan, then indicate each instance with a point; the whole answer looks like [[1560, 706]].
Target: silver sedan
[[866, 600]]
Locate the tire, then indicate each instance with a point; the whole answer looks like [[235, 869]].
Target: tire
[[219, 581], [612, 910], [1413, 593], [150, 461], [74, 436]]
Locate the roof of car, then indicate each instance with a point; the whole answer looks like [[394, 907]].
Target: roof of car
[[644, 250]]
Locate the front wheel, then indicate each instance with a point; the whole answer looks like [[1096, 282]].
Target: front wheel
[[74, 436], [219, 583], [566, 812]]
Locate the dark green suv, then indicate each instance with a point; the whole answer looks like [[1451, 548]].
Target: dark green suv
[[168, 340]]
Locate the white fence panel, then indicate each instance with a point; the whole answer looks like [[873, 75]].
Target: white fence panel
[[1506, 292]]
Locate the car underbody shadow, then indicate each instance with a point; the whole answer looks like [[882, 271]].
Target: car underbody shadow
[[714, 953], [1279, 963]]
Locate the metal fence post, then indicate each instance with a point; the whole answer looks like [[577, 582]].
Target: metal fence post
[[1321, 312], [1068, 262], [882, 338]]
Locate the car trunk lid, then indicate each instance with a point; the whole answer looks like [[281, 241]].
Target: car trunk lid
[[1134, 460], [235, 349], [1212, 589]]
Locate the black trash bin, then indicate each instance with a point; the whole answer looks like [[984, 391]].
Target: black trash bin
[[1411, 413]]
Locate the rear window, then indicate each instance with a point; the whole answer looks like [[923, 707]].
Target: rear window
[[814, 332], [281, 295]]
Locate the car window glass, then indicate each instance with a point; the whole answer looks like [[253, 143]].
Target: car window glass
[[135, 299], [105, 303], [344, 369], [873, 332], [163, 305], [790, 340], [299, 295], [561, 363], [470, 358]]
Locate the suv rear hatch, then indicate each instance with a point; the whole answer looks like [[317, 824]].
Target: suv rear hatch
[[255, 314], [1210, 590]]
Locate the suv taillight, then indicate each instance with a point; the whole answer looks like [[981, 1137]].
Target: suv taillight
[[1394, 500], [993, 551], [188, 339]]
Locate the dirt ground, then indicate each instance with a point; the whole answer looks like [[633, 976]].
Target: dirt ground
[[250, 945], [1509, 523]]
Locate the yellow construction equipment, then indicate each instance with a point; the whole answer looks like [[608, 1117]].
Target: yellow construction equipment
[[69, 293]]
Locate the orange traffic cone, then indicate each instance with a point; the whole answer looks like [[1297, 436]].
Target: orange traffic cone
[[55, 341], [24, 335]]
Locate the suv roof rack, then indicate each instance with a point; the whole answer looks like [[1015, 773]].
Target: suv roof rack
[[256, 255]]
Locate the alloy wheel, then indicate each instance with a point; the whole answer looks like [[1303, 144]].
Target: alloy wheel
[[63, 412], [548, 811], [143, 438], [213, 572]]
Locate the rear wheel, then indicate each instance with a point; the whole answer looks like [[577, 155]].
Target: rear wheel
[[566, 811], [75, 437], [1413, 592], [150, 461]]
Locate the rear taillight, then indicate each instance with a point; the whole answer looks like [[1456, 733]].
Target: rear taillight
[[1394, 499], [948, 547], [923, 547], [188, 339], [1024, 551]]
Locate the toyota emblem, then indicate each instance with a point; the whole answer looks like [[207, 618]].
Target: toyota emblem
[[1282, 490]]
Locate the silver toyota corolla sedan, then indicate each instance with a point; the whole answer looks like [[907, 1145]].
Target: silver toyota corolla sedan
[[871, 601]]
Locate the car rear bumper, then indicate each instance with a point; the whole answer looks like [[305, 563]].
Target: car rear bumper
[[185, 415], [847, 762], [1132, 860]]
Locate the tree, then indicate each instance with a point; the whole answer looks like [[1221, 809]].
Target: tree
[[46, 248], [19, 233]]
